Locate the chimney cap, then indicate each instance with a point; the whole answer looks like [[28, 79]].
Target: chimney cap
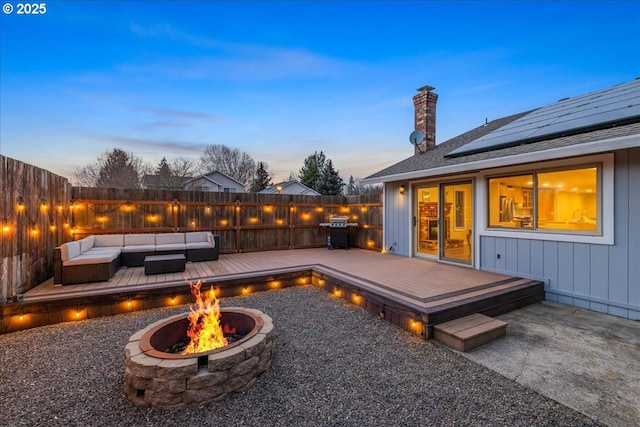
[[426, 88]]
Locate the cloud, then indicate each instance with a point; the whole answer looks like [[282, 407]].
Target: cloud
[[164, 30], [263, 64], [236, 60], [480, 88], [136, 145], [169, 113]]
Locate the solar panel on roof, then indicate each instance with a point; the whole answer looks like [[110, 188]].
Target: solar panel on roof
[[596, 110]]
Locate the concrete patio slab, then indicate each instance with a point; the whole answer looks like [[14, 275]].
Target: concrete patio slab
[[585, 360]]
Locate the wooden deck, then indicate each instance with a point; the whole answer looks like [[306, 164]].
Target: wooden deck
[[403, 290]]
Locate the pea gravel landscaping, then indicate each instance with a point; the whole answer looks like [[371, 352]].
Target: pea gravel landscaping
[[335, 365]]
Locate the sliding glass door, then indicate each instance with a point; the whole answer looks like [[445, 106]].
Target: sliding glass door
[[443, 218], [458, 214]]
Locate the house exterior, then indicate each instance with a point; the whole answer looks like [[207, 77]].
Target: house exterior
[[214, 181], [551, 194], [290, 187]]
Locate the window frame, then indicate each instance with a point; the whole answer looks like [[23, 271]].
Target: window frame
[[605, 200]]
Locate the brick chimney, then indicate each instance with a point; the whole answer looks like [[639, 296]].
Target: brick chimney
[[425, 117]]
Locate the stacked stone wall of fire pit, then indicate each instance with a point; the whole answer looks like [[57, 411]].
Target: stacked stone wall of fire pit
[[172, 383]]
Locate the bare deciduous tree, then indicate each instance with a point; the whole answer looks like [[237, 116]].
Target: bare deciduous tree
[[231, 161]]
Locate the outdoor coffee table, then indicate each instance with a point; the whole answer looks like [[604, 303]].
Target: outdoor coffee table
[[158, 264]]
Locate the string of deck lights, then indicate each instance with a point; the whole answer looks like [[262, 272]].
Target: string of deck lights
[[34, 216]]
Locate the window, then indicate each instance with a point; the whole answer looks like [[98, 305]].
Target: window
[[556, 200], [229, 190]]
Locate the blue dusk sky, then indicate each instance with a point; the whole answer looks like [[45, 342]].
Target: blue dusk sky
[[281, 80]]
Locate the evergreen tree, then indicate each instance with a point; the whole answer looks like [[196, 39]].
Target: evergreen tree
[[352, 189], [330, 182], [114, 169], [262, 178], [311, 171], [164, 170]]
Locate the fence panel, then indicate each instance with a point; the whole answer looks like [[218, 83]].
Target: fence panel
[[34, 206], [245, 221]]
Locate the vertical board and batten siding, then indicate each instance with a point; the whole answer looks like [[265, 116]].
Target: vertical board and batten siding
[[603, 278], [397, 217]]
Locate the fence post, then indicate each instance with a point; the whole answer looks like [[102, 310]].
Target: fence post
[[238, 226], [175, 210], [292, 239]]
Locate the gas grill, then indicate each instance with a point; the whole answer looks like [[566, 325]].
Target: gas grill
[[338, 234]]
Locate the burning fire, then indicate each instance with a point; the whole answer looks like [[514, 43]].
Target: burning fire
[[204, 323]]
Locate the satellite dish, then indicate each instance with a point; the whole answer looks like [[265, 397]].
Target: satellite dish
[[416, 137]]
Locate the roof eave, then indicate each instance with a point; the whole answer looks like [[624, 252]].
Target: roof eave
[[618, 143]]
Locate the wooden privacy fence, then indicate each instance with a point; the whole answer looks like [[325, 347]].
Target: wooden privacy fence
[[34, 204], [245, 221]]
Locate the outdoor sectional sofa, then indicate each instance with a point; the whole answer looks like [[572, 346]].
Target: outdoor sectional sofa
[[97, 258]]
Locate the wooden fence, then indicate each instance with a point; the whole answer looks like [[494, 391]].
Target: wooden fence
[[245, 221], [40, 210], [34, 205]]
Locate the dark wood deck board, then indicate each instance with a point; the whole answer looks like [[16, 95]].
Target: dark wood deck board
[[421, 284]]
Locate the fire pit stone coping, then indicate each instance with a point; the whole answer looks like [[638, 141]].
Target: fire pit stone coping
[[172, 383]]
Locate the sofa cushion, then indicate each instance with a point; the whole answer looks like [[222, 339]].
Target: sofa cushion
[[199, 245], [171, 247], [139, 239], [69, 250], [101, 251], [91, 258], [169, 238], [196, 236], [138, 248], [111, 240], [86, 244]]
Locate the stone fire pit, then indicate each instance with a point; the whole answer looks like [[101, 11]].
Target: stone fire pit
[[171, 381]]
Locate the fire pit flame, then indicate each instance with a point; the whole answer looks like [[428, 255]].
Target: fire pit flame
[[204, 330]]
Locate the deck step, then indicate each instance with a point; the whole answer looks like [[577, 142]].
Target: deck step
[[469, 332]]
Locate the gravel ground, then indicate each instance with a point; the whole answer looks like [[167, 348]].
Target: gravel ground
[[336, 365]]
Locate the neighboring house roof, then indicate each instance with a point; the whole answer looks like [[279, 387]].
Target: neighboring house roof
[[290, 187], [210, 177], [159, 181], [435, 161]]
